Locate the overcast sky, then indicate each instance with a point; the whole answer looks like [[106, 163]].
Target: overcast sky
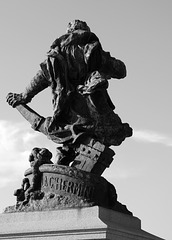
[[139, 33]]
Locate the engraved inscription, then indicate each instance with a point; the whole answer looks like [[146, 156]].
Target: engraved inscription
[[56, 184]]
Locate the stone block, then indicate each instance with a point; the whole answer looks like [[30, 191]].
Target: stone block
[[72, 224]]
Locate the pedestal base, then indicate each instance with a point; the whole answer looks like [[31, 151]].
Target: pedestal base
[[72, 224]]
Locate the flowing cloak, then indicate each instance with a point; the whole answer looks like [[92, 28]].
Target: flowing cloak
[[77, 69]]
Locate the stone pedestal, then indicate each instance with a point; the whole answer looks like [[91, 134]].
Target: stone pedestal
[[72, 224]]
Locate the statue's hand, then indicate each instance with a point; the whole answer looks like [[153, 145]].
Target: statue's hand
[[14, 99]]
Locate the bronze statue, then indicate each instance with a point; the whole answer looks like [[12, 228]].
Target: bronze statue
[[77, 69]]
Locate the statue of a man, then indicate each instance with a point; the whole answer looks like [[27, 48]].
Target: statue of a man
[[77, 69]]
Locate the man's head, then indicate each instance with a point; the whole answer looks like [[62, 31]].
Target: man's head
[[42, 155], [77, 24]]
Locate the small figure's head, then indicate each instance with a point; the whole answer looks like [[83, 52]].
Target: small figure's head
[[77, 24], [42, 155]]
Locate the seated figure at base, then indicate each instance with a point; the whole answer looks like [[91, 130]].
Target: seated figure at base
[[38, 157]]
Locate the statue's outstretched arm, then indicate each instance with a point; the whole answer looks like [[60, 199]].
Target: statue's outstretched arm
[[36, 85], [112, 67]]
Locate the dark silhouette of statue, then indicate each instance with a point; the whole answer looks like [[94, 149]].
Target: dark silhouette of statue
[[77, 69], [84, 122]]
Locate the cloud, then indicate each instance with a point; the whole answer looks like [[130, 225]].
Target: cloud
[[152, 137]]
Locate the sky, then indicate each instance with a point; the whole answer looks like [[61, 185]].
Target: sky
[[139, 33]]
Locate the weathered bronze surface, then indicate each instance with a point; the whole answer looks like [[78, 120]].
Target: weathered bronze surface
[[84, 124]]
